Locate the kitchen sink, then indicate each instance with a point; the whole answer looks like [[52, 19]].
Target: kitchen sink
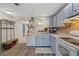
[[71, 40]]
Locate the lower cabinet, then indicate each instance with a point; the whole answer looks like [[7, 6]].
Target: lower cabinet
[[53, 44], [46, 42], [39, 42], [43, 41], [31, 41]]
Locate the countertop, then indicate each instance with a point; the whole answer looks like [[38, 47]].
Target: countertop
[[57, 35], [64, 41]]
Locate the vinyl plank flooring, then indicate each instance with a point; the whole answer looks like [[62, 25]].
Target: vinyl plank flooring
[[22, 50], [31, 52], [13, 51]]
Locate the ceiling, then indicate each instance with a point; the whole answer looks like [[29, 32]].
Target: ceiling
[[32, 9]]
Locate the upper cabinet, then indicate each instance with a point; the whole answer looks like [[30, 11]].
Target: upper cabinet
[[54, 21], [50, 21], [60, 19], [67, 11], [75, 8]]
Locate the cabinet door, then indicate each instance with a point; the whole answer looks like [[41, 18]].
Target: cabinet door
[[54, 21], [60, 19], [46, 41], [67, 11], [39, 41], [31, 41], [75, 8], [50, 21], [53, 44]]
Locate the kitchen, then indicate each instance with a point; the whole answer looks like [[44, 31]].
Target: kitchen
[[50, 34]]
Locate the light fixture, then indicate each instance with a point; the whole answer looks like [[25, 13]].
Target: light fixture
[[8, 12]]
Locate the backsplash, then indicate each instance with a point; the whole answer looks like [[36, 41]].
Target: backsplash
[[71, 27]]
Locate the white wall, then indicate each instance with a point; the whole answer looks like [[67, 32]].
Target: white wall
[[6, 16], [18, 26], [19, 31]]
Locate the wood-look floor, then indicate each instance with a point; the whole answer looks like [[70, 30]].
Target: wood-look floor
[[22, 50]]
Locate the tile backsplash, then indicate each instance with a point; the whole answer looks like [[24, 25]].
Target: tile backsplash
[[72, 27]]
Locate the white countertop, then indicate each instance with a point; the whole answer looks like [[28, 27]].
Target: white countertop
[[65, 42]]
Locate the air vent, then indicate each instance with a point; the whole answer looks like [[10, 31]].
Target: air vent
[[17, 4]]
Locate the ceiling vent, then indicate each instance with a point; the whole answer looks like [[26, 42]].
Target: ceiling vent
[[17, 4]]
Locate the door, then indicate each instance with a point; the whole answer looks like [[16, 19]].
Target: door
[[75, 8]]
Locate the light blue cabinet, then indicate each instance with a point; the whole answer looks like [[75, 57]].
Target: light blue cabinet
[[53, 44], [43, 40], [50, 21], [75, 8], [39, 41], [67, 11], [60, 19], [31, 41], [54, 21], [46, 41]]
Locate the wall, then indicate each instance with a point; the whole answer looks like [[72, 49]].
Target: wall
[[19, 31], [18, 26], [69, 28], [6, 16]]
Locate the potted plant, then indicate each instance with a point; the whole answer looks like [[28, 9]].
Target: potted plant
[[45, 29]]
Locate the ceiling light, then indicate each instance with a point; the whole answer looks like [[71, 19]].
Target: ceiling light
[[42, 15], [8, 12]]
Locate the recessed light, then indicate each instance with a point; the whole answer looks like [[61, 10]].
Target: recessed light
[[8, 12]]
